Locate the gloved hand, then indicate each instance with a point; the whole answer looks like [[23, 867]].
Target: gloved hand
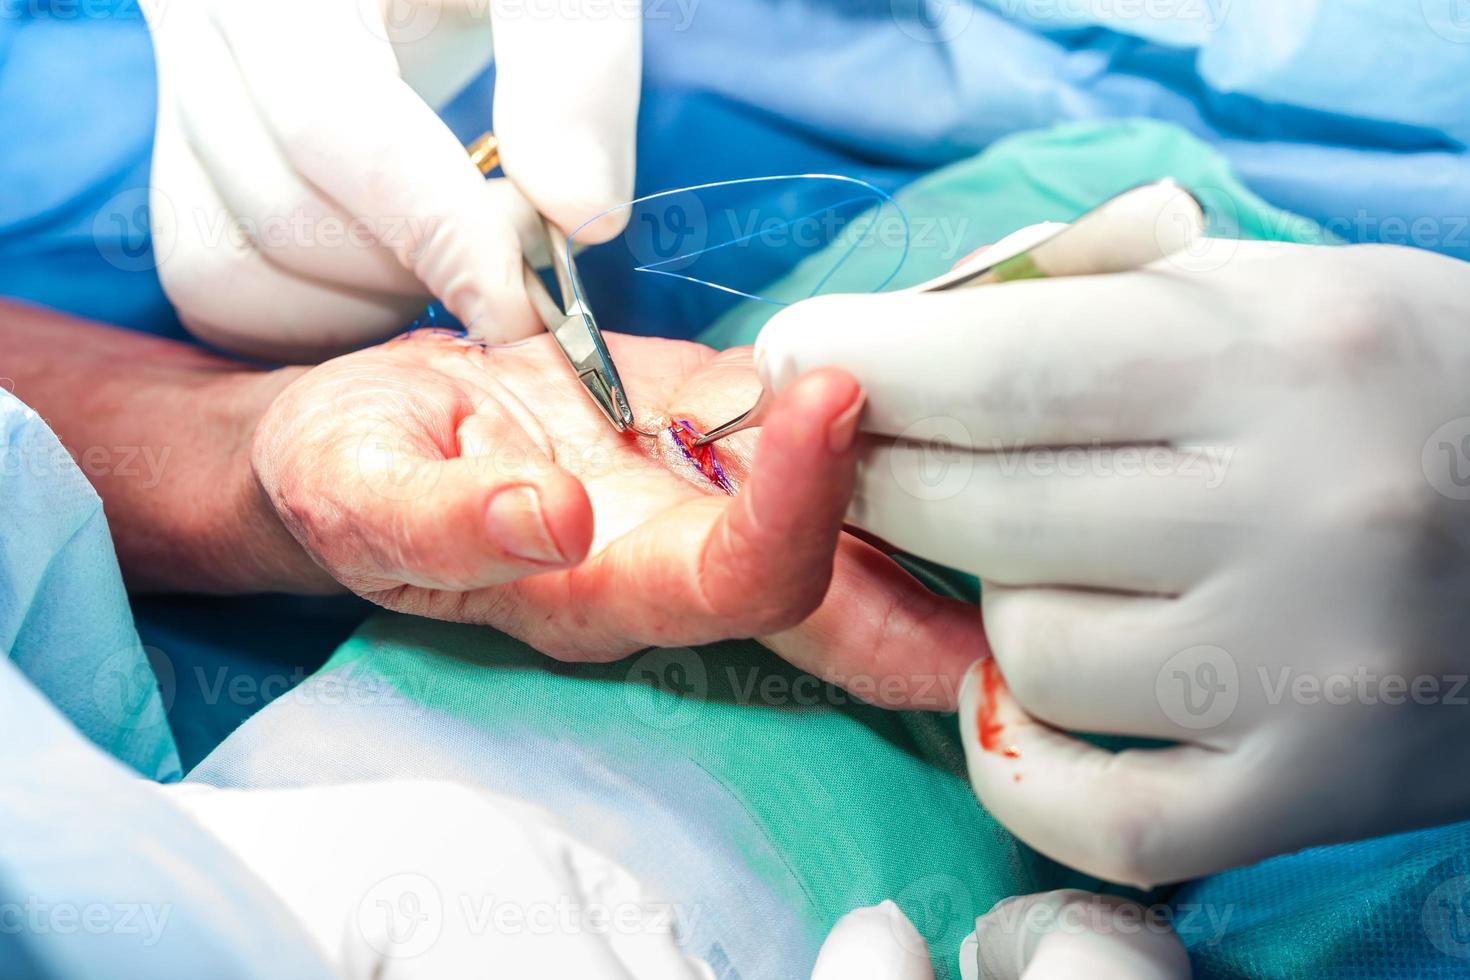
[[306, 198], [420, 879], [1219, 501], [1064, 934], [1057, 935]]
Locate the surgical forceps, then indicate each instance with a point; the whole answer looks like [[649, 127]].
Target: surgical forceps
[[570, 321], [1124, 233]]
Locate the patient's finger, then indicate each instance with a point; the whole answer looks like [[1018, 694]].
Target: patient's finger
[[714, 567], [767, 561], [404, 497], [884, 637]]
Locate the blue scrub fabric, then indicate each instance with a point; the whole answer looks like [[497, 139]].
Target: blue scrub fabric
[[64, 618], [99, 874], [1350, 113]]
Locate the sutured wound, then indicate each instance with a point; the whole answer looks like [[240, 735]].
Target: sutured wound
[[705, 458]]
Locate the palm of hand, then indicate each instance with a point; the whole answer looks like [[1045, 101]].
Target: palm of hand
[[384, 463]]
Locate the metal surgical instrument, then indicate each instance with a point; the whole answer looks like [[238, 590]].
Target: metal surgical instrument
[[570, 321]]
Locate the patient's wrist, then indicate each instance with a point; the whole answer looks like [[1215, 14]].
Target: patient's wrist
[[252, 549], [206, 526]]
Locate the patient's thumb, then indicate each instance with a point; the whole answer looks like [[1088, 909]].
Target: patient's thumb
[[474, 521], [874, 943]]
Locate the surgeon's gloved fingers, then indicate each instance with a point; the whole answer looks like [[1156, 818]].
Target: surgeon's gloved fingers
[[1143, 519], [874, 943], [1062, 935], [1041, 362], [1011, 245], [910, 652], [264, 199], [1138, 817], [264, 311], [1097, 662], [346, 121], [566, 108], [229, 294]]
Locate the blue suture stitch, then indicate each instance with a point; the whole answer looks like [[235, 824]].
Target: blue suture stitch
[[705, 458], [428, 321], [877, 193]]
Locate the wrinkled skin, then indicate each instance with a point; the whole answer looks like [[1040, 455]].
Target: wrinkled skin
[[382, 464]]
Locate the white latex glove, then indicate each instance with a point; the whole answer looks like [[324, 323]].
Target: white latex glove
[[1068, 934], [1059, 935], [308, 124], [1265, 499], [874, 943], [406, 879]]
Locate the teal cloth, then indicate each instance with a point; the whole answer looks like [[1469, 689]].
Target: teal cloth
[[762, 804]]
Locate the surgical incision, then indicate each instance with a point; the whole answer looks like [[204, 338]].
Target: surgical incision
[[704, 458]]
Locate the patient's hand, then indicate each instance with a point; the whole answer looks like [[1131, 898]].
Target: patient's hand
[[439, 478]]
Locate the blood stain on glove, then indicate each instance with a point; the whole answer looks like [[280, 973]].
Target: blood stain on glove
[[986, 725], [704, 458]]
